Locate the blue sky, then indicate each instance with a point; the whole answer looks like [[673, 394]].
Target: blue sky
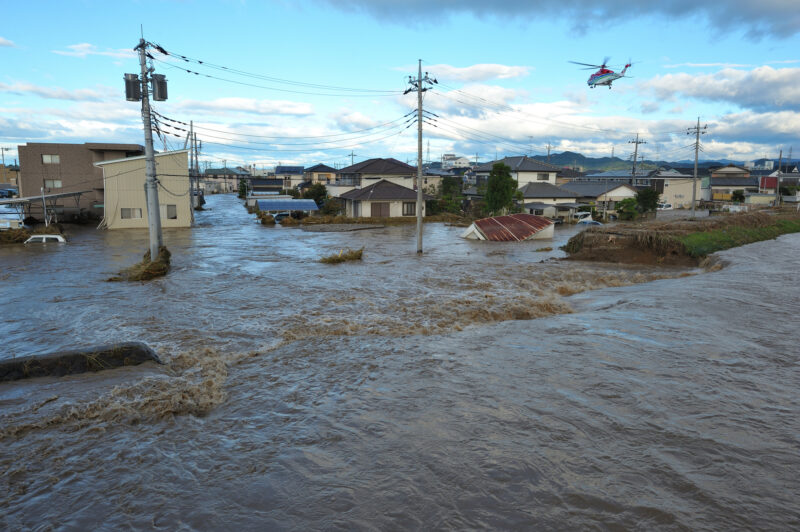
[[505, 84]]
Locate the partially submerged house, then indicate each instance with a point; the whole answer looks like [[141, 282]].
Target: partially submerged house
[[510, 228], [125, 200], [544, 199], [383, 199], [603, 195]]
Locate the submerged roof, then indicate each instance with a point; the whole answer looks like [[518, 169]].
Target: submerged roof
[[287, 205], [512, 227]]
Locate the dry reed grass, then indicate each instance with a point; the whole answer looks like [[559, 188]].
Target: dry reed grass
[[343, 256], [146, 269]]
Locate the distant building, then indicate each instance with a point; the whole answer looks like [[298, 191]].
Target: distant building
[[125, 200], [55, 168], [450, 160], [223, 180], [9, 175]]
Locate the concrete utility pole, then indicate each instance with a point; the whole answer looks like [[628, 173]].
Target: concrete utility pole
[[151, 184], [697, 131], [548, 153], [778, 181], [418, 86], [3, 152], [352, 157], [635, 155]]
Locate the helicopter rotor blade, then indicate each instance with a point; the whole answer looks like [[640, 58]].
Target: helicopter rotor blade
[[585, 64]]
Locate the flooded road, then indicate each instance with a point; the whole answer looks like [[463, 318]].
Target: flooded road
[[473, 387]]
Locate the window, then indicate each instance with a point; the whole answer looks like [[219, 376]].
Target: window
[[51, 159], [542, 177], [52, 183], [409, 208], [126, 213], [169, 212]]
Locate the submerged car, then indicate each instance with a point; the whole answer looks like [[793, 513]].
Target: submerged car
[[46, 239], [589, 221], [278, 216]]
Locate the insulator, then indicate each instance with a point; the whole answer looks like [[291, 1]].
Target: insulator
[[159, 87], [133, 88]]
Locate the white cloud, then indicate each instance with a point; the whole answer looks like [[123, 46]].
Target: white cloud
[[763, 88], [480, 72], [246, 105], [83, 50], [707, 65], [56, 93], [774, 17], [6, 42]]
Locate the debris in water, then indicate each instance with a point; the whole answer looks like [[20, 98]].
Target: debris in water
[[343, 256], [147, 269]]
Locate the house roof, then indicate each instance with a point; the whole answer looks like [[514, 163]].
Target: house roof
[[730, 168], [287, 205], [380, 166], [512, 227], [734, 181], [321, 168], [226, 171], [260, 181], [569, 173], [113, 147], [520, 164], [586, 189], [669, 173], [618, 173], [382, 190], [546, 190], [288, 170], [137, 157]]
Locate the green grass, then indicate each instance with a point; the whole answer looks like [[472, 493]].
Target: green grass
[[705, 243]]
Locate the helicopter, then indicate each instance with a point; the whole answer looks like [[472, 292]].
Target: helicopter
[[604, 76]]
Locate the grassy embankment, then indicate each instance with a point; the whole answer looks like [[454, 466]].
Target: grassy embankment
[[681, 242]]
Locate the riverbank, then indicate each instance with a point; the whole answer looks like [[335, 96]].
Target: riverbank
[[680, 242]]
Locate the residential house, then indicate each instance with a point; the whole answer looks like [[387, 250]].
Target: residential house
[[728, 171], [384, 199], [320, 173], [59, 168], [604, 196], [223, 180], [722, 188], [565, 175], [675, 187], [125, 204], [265, 186], [292, 176], [524, 170], [545, 199], [365, 173]]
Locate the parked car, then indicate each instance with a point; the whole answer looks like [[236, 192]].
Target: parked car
[[46, 239], [278, 216], [664, 206]]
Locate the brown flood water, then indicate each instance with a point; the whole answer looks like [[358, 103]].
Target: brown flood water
[[472, 387]]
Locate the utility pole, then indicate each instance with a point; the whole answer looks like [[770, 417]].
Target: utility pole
[[548, 153], [635, 155], [612, 152], [418, 86], [3, 152], [352, 156], [778, 181], [151, 184], [697, 131]]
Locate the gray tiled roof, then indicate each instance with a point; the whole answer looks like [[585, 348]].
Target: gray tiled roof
[[520, 164], [546, 190], [734, 181], [586, 189], [380, 167], [382, 190]]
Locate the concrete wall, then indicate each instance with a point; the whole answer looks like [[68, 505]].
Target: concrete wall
[[124, 188], [678, 192]]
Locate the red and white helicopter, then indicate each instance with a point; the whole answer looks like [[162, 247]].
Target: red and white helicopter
[[604, 76]]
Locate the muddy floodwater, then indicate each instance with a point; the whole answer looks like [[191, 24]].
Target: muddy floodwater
[[479, 386]]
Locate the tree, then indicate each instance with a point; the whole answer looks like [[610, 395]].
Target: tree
[[317, 192], [331, 207], [243, 188], [647, 200], [500, 189], [626, 209]]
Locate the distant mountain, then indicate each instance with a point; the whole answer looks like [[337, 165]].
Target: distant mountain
[[569, 159]]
